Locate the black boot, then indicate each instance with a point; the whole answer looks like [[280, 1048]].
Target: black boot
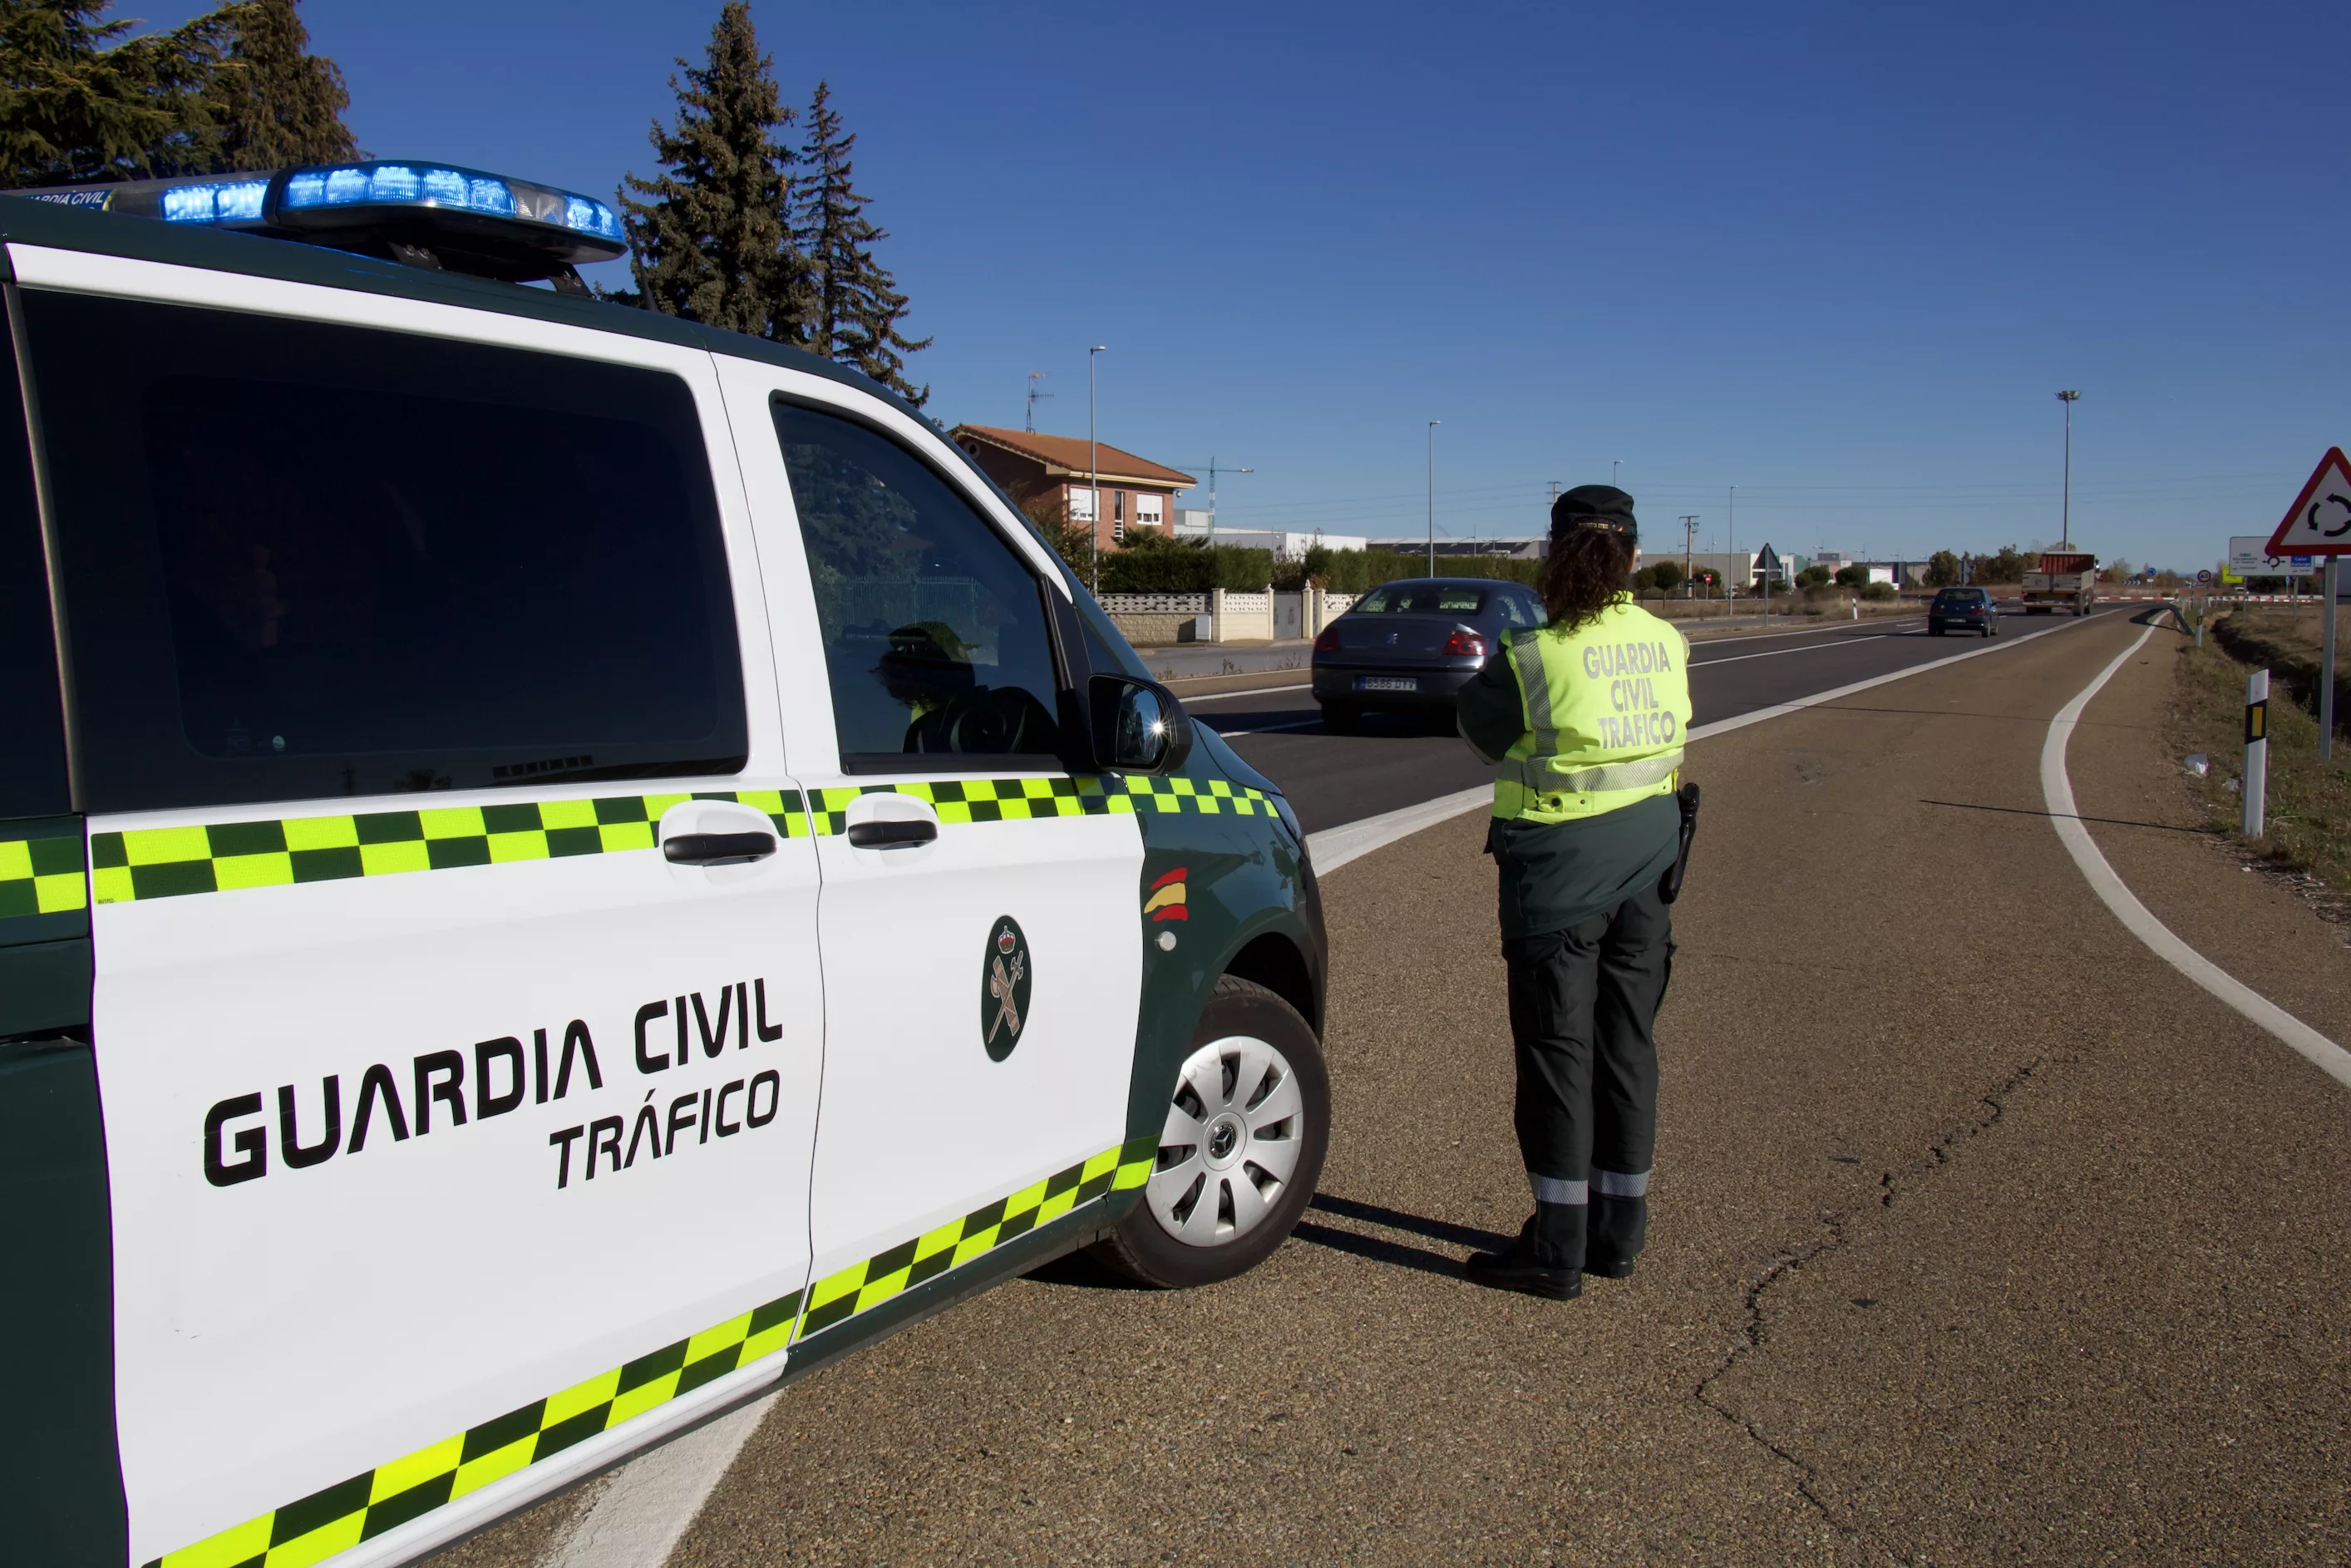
[[1619, 1228], [1545, 1260]]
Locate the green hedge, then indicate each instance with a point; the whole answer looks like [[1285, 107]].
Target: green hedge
[[1187, 570], [1359, 571]]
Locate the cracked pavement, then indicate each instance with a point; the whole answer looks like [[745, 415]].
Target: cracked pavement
[[1978, 1233]]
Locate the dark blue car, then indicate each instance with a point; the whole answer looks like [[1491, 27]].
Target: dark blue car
[[1963, 610], [1409, 647]]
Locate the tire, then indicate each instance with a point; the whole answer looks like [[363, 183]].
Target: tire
[[1988, 629], [1265, 1084], [1339, 718], [1934, 631]]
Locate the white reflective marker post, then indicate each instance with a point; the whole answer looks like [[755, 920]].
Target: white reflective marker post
[[2257, 749], [2330, 610]]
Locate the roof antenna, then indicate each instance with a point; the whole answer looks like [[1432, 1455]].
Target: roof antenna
[[1034, 398]]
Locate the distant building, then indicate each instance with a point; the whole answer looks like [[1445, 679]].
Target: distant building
[[1032, 468], [1285, 544], [1516, 549]]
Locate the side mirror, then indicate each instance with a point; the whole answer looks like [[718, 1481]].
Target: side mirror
[[1138, 726]]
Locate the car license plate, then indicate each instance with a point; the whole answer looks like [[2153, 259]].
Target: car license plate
[[1386, 684]]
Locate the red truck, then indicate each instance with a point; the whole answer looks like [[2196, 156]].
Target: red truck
[[2068, 578]]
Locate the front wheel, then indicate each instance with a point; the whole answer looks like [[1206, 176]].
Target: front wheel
[[1248, 1121]]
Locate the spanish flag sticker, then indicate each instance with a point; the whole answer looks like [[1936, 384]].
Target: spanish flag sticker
[[1166, 899]]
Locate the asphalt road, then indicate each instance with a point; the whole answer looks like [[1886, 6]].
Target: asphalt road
[[1978, 1234], [1399, 761]]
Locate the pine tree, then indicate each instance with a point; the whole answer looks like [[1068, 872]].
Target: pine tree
[[713, 243], [278, 103], [79, 101], [855, 305]]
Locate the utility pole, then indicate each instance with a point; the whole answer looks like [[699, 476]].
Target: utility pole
[[1093, 466], [1035, 397], [1733, 526], [1614, 464], [1689, 528], [1432, 495], [2065, 526]]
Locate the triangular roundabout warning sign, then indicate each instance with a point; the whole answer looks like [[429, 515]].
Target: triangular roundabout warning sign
[[2320, 522]]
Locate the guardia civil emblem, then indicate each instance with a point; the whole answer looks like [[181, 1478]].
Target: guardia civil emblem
[[1004, 988]]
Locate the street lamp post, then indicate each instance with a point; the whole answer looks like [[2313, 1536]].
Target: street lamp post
[[1094, 473], [1614, 464], [1432, 495], [1689, 527], [2065, 513]]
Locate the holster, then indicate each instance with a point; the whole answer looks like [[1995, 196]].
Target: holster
[[1669, 886]]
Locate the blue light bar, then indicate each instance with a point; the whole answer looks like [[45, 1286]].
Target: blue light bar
[[238, 201], [590, 218], [462, 219], [399, 184]]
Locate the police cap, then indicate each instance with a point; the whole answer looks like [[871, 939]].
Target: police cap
[[1601, 507]]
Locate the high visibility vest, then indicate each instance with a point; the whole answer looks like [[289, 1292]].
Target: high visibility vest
[[1607, 706]]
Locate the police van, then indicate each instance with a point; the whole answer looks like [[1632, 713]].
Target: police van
[[557, 867]]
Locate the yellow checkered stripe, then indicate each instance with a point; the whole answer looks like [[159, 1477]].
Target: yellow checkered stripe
[[42, 876], [341, 1516], [167, 862], [837, 1298], [961, 800]]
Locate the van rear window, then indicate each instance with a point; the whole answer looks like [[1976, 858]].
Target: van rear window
[[1421, 599], [307, 560]]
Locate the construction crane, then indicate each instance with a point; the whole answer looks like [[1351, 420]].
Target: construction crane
[[1213, 468]]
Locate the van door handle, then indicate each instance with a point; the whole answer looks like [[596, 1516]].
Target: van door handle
[[718, 849], [896, 835]]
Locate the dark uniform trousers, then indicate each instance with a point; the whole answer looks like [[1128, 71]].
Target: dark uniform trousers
[[1583, 1002]]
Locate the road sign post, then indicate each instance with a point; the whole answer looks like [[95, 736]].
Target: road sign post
[[2319, 524], [2257, 750]]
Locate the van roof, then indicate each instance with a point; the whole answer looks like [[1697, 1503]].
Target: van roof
[[61, 227]]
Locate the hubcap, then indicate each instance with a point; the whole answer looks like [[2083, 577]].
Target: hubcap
[[1235, 1128]]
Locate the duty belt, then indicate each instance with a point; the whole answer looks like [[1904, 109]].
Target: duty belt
[[1537, 774]]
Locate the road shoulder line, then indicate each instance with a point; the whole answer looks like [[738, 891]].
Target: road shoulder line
[[1335, 847], [2057, 795]]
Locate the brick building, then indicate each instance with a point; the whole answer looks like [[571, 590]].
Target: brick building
[[1033, 469]]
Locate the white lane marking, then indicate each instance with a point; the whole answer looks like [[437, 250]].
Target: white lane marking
[[1335, 847], [1775, 636], [1270, 728], [1784, 652], [650, 1503], [2057, 793], [1252, 692], [1709, 643]]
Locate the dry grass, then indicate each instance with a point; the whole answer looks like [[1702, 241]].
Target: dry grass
[[2308, 821]]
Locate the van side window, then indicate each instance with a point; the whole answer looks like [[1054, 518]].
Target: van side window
[[32, 721], [934, 632], [307, 560]]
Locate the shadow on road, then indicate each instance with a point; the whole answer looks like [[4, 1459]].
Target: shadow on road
[[1394, 1219], [1400, 1255]]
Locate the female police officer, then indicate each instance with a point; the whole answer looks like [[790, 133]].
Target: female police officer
[[1586, 717]]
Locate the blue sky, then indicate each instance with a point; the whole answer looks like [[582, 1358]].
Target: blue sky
[[1839, 256]]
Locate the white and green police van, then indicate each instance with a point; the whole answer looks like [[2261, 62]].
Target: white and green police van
[[558, 867]]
